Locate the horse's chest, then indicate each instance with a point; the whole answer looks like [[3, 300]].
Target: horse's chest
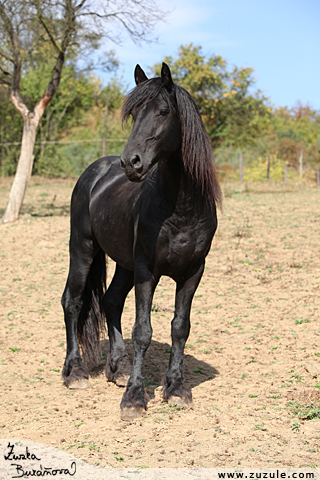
[[180, 245], [182, 242]]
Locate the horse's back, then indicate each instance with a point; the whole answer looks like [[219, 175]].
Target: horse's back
[[89, 178], [82, 195]]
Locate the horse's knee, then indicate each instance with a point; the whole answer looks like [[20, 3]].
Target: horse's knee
[[71, 304], [142, 334], [180, 328], [63, 300], [72, 309]]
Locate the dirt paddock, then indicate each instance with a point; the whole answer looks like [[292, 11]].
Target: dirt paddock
[[252, 358]]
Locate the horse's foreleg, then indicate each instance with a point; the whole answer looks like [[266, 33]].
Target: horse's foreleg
[[174, 389], [118, 367], [134, 400]]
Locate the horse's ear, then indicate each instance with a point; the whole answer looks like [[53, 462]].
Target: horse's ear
[[166, 76], [139, 75]]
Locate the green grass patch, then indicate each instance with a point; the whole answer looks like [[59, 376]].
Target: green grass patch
[[305, 411], [299, 321]]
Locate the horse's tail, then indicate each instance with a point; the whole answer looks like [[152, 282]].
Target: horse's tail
[[91, 322]]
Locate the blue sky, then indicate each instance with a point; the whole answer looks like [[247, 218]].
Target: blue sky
[[279, 39]]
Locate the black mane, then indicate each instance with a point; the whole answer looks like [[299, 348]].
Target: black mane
[[196, 150]]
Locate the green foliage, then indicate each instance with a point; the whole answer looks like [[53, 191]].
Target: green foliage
[[237, 118], [231, 113], [294, 132], [11, 124], [82, 109]]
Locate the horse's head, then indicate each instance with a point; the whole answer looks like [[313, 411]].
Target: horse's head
[[156, 129]]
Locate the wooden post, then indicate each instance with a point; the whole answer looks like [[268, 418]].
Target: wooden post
[[301, 163], [268, 169], [318, 176], [240, 168], [285, 173], [104, 147]]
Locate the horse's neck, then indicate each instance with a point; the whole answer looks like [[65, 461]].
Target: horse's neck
[[178, 189]]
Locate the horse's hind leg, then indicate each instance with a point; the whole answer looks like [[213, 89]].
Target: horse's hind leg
[[118, 367], [74, 372], [174, 389]]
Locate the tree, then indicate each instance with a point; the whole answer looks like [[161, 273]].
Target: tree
[[232, 113], [11, 124], [54, 31], [295, 133], [68, 108]]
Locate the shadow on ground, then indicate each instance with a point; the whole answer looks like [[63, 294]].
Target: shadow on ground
[[156, 363]]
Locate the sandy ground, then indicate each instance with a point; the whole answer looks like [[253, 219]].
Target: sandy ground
[[252, 358]]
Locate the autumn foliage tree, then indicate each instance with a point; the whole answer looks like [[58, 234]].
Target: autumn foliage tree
[[232, 112], [239, 117]]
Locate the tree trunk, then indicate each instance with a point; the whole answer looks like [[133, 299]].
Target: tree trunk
[[31, 122], [301, 163], [23, 172]]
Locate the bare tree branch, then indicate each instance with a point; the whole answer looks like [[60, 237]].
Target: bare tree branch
[[79, 6], [51, 88], [15, 83], [5, 72], [45, 26], [4, 55]]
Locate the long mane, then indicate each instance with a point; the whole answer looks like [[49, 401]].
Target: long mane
[[196, 151]]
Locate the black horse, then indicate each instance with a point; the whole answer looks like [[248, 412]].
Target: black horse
[[153, 211]]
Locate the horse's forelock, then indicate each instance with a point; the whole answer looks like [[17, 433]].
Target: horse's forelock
[[141, 94]]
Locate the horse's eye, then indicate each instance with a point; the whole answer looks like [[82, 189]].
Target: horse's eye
[[163, 113]]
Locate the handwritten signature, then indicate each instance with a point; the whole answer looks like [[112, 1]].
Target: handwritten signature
[[22, 471]]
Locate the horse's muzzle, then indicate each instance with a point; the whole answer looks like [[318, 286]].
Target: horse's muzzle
[[132, 168]]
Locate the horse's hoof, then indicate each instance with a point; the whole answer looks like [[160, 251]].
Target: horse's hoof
[[130, 413], [122, 381], [183, 402], [79, 384]]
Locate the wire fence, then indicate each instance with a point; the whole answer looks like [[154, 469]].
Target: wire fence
[[299, 168], [71, 157], [48, 142], [60, 157]]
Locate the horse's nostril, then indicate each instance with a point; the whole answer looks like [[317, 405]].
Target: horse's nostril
[[122, 164], [135, 160], [136, 163]]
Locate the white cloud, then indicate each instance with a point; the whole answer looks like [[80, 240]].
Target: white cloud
[[189, 21]]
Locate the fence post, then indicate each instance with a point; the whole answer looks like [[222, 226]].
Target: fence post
[[301, 163], [268, 169], [104, 147], [240, 168], [318, 176], [285, 173]]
